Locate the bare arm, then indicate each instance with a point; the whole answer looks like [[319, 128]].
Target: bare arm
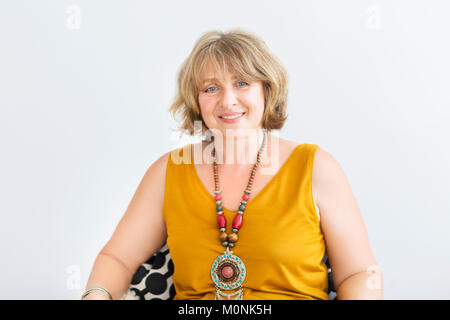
[[356, 273], [139, 234]]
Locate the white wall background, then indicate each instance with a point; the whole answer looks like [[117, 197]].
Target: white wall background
[[84, 114]]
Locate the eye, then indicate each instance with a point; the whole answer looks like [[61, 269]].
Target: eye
[[240, 82], [207, 90]]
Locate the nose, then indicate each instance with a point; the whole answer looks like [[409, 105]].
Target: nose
[[229, 98]]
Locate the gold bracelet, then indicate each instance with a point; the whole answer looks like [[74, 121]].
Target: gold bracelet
[[98, 288]]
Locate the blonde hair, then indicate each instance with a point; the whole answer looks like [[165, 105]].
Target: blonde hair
[[249, 58]]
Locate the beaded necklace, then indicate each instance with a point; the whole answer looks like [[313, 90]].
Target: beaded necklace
[[228, 270]]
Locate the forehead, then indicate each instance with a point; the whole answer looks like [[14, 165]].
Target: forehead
[[211, 74], [214, 77]]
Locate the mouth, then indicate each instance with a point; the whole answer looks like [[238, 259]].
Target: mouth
[[231, 115]]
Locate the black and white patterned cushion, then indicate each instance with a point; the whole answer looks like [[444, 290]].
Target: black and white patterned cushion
[[153, 279]]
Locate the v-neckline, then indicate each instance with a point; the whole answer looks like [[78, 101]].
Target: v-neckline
[[206, 193]]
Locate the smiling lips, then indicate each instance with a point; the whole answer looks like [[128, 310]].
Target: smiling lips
[[231, 117], [229, 114]]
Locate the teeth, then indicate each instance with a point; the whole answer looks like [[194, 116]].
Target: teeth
[[232, 117]]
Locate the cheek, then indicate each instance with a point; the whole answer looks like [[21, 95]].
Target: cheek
[[206, 105], [201, 101], [255, 99]]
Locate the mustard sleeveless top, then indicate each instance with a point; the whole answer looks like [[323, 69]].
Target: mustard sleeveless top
[[280, 241]]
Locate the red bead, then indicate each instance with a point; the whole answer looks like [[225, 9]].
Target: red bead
[[245, 197], [221, 222], [237, 222], [218, 197]]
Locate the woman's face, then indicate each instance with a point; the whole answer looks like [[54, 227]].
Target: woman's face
[[228, 96]]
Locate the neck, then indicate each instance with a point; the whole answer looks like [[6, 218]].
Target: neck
[[242, 150]]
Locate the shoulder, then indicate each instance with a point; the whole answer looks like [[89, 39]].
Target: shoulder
[[326, 173], [287, 146], [161, 162], [154, 179], [329, 182], [174, 154], [325, 165], [157, 170]]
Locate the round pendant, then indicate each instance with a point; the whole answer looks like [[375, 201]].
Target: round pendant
[[228, 272]]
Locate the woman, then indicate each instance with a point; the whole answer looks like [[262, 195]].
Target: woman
[[253, 223]]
